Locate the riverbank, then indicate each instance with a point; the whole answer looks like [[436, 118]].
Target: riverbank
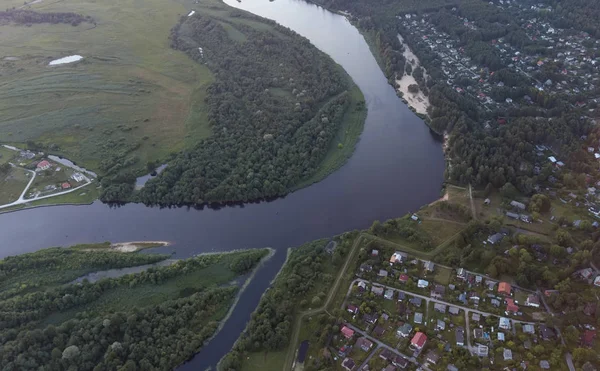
[[134, 246], [415, 99]]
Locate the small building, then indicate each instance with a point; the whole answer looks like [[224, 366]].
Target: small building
[[461, 273], [478, 333], [495, 302], [422, 284], [547, 333], [302, 351], [440, 325], [416, 302], [501, 336], [504, 288], [453, 310], [374, 252], [414, 217], [404, 330], [347, 332], [511, 307], [382, 273], [352, 309], [43, 165], [459, 333], [544, 365], [65, 185], [418, 318], [504, 323], [512, 215], [389, 294], [364, 344], [400, 362], [429, 266], [418, 341], [433, 357], [366, 267], [588, 337], [78, 177], [482, 350], [507, 354], [529, 329], [532, 301], [439, 307], [438, 292], [398, 257], [476, 317], [378, 331], [401, 296], [362, 286], [386, 354], [518, 205], [370, 318], [495, 238], [403, 278], [377, 290], [348, 364]]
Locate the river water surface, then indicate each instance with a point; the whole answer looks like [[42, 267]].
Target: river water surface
[[397, 167]]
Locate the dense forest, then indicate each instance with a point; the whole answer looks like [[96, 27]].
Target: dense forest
[[274, 109], [28, 17], [152, 320]]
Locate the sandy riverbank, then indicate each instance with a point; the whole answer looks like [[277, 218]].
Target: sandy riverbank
[[137, 245], [418, 101]]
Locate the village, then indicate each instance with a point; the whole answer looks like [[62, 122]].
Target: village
[[561, 62], [31, 176]]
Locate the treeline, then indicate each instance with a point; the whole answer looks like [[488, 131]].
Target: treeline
[[276, 105], [31, 17], [151, 338], [271, 323]]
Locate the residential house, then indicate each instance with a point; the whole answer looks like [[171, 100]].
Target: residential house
[[476, 317], [532, 301], [451, 368], [589, 309], [490, 284], [422, 284], [387, 368], [433, 357], [529, 329], [507, 354], [418, 341], [382, 273], [501, 336], [374, 252], [364, 344], [347, 332], [441, 325], [478, 333], [377, 290], [504, 323], [482, 350], [403, 278], [348, 364], [370, 318], [385, 316], [362, 286], [378, 331], [460, 336], [404, 330], [544, 365], [401, 296], [416, 302], [453, 310], [364, 267], [386, 354], [518, 205], [43, 165], [504, 288], [398, 257], [344, 350], [478, 280], [400, 362], [65, 185], [418, 318], [588, 338], [512, 215], [463, 298], [78, 177], [352, 309], [429, 266], [546, 332], [461, 273], [511, 307], [495, 302], [389, 294], [495, 238], [439, 307], [438, 292]]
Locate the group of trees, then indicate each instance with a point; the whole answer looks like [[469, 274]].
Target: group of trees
[[20, 16], [275, 106]]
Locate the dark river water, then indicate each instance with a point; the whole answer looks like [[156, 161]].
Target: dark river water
[[397, 167]]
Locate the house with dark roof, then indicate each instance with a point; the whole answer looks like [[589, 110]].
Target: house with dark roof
[[416, 302], [453, 310], [401, 296], [459, 333], [478, 333], [438, 291], [378, 331], [432, 356], [386, 354], [370, 318], [404, 330], [364, 344], [495, 238], [588, 338], [352, 309], [377, 290], [399, 362], [348, 364], [546, 332]]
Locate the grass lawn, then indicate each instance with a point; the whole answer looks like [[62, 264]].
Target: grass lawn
[[264, 361], [443, 275], [6, 155], [12, 184], [440, 231], [130, 85]]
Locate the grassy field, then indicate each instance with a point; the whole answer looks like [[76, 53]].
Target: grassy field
[[12, 184], [440, 231], [130, 94]]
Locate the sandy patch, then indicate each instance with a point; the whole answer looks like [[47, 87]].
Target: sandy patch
[[418, 100], [137, 245]]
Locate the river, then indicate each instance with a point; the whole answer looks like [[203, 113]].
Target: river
[[397, 167]]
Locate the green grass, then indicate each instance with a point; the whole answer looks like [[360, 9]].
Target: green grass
[[440, 231], [348, 136], [443, 275], [130, 86], [85, 195], [6, 155], [12, 185], [264, 361]]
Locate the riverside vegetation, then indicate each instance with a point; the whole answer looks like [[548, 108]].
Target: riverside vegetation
[[146, 321], [240, 107]]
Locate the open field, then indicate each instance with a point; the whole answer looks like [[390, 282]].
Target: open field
[[12, 184], [131, 97]]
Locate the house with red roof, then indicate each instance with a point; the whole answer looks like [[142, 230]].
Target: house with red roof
[[511, 306], [65, 185], [588, 338], [418, 341], [347, 332], [403, 278], [352, 309], [43, 165], [504, 288]]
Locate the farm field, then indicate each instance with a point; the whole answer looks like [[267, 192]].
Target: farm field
[[131, 99]]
